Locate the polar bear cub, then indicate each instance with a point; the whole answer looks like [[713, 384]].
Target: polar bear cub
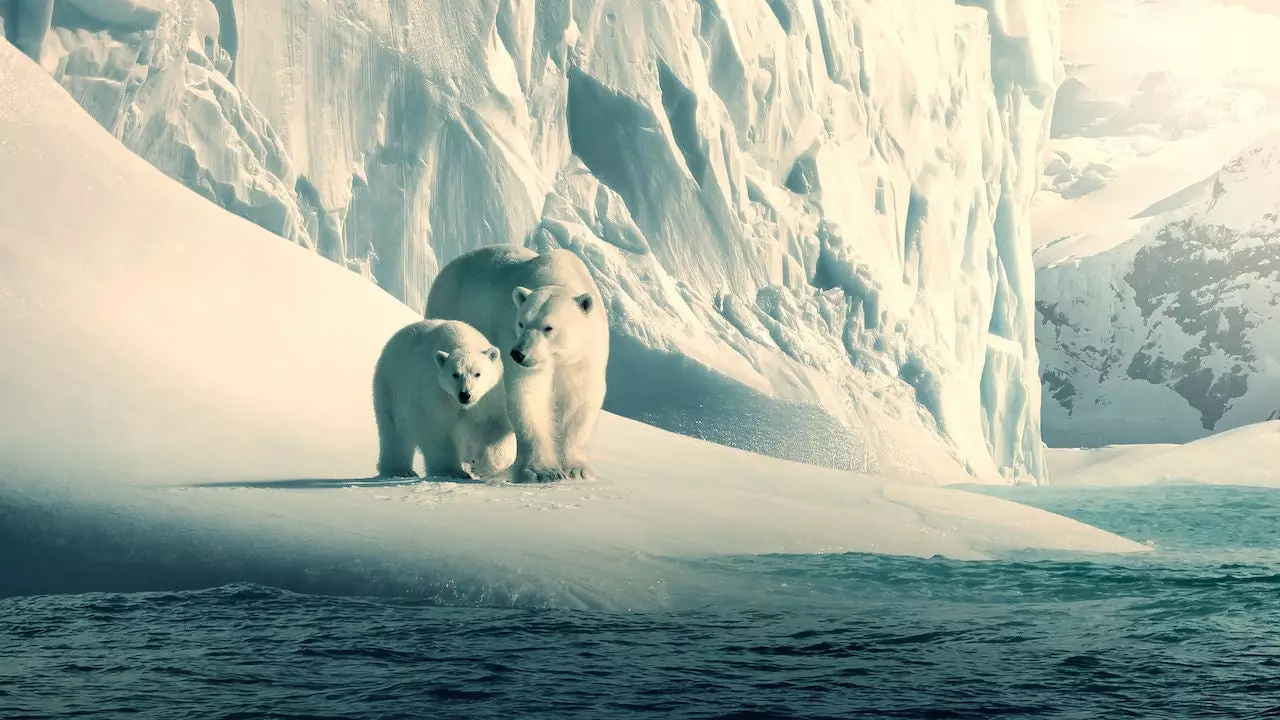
[[544, 312], [438, 388]]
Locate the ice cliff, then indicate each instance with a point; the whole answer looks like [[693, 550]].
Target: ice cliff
[[810, 218]]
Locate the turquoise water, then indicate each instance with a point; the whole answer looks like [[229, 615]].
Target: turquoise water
[[1191, 629]]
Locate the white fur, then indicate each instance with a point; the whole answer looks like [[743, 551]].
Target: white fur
[[554, 396], [425, 372]]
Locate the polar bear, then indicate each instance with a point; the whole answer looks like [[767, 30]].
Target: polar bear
[[438, 388], [544, 312]]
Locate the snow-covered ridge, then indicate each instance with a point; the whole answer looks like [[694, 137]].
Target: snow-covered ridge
[[810, 218], [1172, 334]]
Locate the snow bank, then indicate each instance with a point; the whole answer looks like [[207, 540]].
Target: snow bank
[[810, 218], [187, 403], [1243, 456]]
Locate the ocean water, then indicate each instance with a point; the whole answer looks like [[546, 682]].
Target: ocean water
[[1191, 629]]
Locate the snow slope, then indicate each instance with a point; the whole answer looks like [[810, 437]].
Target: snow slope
[[186, 402], [810, 218], [1243, 456]]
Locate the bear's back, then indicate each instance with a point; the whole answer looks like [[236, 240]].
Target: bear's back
[[432, 335], [467, 287], [556, 267], [476, 286]]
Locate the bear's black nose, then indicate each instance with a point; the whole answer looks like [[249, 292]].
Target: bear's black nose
[[464, 397], [517, 356]]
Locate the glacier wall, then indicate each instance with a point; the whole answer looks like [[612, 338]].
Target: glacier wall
[[809, 218]]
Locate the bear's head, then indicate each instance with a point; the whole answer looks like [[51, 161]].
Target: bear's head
[[552, 324], [467, 375]]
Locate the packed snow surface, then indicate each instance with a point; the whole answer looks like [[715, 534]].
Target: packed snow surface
[[1243, 456], [809, 218], [187, 402]]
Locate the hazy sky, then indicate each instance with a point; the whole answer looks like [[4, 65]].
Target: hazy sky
[[1266, 6], [1192, 38]]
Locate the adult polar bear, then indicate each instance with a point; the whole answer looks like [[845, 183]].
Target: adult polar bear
[[544, 312]]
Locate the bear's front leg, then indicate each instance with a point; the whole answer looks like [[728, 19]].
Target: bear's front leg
[[442, 458], [581, 414], [395, 453], [529, 406]]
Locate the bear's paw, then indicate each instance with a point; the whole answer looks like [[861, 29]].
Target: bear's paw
[[539, 474], [579, 472]]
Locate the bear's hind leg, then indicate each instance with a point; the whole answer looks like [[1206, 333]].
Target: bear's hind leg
[[497, 454], [395, 457]]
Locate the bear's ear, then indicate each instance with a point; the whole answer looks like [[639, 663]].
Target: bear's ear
[[520, 295], [584, 302], [492, 354], [442, 357]]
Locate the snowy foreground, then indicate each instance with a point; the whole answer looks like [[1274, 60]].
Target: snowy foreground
[[186, 402], [813, 211]]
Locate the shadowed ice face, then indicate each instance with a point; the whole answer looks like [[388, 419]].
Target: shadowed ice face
[[466, 375]]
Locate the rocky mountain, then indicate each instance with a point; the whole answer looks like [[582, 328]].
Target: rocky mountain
[[1175, 333]]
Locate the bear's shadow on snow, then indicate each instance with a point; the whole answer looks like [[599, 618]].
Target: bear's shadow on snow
[[335, 483]]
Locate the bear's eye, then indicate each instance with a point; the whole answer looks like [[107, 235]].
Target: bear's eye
[[475, 374], [457, 375], [521, 326], [546, 329]]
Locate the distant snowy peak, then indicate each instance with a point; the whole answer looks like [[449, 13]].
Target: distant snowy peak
[[1152, 79], [1246, 194], [1176, 333], [1162, 105]]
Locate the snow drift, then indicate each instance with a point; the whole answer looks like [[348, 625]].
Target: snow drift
[[809, 217], [1242, 456], [187, 403]]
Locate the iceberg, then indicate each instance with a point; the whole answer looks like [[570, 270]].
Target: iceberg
[[810, 219], [187, 403]]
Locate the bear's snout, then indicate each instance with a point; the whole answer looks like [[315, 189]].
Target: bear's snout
[[464, 397], [517, 356]]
